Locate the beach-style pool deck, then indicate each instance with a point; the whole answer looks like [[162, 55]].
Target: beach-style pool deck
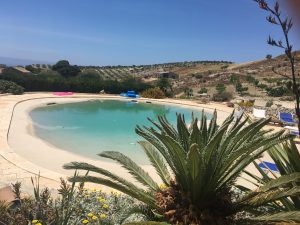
[[15, 168]]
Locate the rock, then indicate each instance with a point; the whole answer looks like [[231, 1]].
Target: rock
[[6, 194]]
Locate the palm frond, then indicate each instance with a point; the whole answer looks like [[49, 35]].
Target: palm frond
[[293, 216], [135, 170], [157, 161], [141, 195]]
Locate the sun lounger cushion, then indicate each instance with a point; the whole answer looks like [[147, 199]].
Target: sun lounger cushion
[[286, 117], [268, 165], [259, 113]]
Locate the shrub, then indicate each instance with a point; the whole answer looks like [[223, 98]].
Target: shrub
[[188, 92], [234, 79], [269, 103], [220, 88], [74, 205], [10, 87], [222, 97], [240, 89], [246, 104], [153, 93], [203, 90], [277, 92]]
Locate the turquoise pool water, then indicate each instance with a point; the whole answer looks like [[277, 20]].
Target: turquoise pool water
[[90, 127]]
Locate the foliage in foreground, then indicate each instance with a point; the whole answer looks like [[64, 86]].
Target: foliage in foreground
[[10, 87], [287, 158], [74, 205], [198, 166]]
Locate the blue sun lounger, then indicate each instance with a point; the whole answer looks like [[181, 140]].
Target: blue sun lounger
[[130, 94], [268, 165], [286, 118]]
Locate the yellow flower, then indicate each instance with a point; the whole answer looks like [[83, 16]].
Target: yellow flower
[[38, 224], [162, 186], [85, 221], [116, 193], [101, 199], [90, 214], [94, 217], [34, 221], [94, 190], [105, 206], [102, 216]]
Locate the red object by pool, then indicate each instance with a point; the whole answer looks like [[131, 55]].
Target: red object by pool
[[63, 93]]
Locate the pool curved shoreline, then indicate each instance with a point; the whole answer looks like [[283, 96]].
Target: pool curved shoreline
[[22, 143]]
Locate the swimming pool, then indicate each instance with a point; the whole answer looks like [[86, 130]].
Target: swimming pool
[[90, 127]]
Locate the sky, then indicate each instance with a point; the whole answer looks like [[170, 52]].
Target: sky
[[134, 32]]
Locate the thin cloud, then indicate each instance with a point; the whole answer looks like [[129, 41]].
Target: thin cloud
[[50, 33]]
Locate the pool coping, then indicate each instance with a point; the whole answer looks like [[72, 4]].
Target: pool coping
[[23, 164]]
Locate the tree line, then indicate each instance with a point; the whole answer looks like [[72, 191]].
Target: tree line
[[50, 80]]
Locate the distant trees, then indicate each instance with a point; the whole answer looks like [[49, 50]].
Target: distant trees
[[10, 87], [33, 69], [65, 69], [269, 56], [49, 80]]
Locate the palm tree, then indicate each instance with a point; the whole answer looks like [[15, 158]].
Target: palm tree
[[198, 165]]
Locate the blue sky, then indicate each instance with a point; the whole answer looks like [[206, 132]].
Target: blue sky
[[126, 32]]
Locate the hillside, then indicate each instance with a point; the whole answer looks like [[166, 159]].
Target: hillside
[[257, 77]]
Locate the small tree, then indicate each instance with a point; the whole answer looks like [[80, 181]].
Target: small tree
[[268, 56], [286, 24], [234, 79], [240, 89], [165, 85], [203, 90], [220, 88], [65, 69]]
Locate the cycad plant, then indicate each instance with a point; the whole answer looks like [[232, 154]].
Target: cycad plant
[[198, 165], [287, 159]]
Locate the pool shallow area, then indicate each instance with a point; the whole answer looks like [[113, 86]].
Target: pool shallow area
[[90, 127]]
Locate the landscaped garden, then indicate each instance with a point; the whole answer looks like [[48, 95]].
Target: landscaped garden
[[198, 166]]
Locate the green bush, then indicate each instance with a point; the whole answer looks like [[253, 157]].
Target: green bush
[[73, 206], [222, 97], [203, 90], [240, 89], [220, 88], [153, 93], [277, 92], [10, 87], [269, 103]]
